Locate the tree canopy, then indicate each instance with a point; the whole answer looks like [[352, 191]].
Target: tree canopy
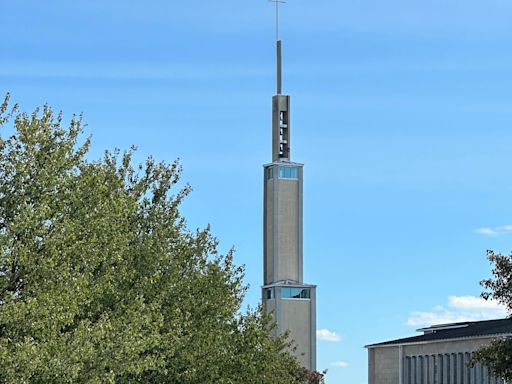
[[101, 281], [498, 355]]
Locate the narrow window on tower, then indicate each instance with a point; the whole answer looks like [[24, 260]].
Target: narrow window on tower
[[283, 119], [283, 135], [295, 293], [270, 173], [269, 293], [288, 172]]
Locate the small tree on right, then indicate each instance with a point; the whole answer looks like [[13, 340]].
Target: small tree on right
[[497, 356]]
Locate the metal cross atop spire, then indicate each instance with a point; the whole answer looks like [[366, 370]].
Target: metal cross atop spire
[[277, 2]]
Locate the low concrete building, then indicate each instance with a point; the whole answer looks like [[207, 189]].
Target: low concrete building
[[439, 356]]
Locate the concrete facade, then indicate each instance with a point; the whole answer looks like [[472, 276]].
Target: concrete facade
[[282, 222], [297, 316], [291, 302], [383, 367], [432, 362]]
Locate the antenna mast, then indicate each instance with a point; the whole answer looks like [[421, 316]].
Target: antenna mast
[[278, 42]]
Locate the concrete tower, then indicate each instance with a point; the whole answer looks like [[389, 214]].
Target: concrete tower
[[291, 302]]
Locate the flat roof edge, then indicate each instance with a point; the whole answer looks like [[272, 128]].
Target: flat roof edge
[[398, 344]]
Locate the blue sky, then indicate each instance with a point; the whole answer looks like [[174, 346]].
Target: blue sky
[[401, 112]]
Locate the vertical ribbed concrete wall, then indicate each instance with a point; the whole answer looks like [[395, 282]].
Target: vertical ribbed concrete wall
[[444, 362], [445, 368]]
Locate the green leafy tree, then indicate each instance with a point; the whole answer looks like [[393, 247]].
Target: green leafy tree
[[102, 282], [498, 355]]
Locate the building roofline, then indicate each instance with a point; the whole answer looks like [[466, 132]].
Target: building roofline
[[455, 331], [397, 344]]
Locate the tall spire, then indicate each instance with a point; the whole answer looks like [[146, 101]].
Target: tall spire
[[285, 296], [278, 41], [280, 105], [279, 69]]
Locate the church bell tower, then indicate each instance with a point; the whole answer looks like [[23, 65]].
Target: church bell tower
[[291, 302]]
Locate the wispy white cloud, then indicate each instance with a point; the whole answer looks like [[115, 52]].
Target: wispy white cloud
[[340, 364], [496, 231], [459, 309], [326, 335], [473, 303]]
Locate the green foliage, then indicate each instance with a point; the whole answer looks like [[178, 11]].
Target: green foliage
[[498, 355], [499, 287], [102, 282]]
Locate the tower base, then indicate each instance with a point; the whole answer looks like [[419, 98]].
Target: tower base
[[293, 307]]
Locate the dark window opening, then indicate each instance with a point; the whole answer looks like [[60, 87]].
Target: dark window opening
[[295, 293]]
